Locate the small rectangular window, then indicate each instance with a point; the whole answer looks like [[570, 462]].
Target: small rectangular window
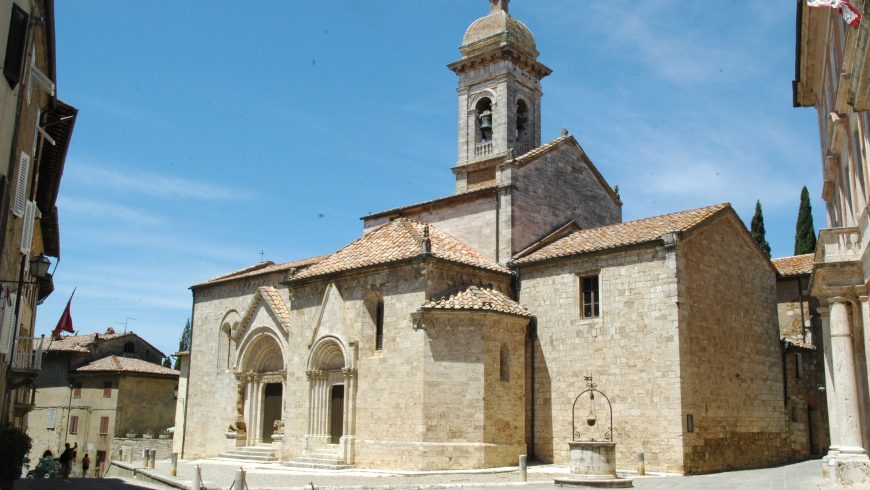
[[589, 297], [690, 423], [798, 366], [104, 426], [107, 389], [51, 418], [74, 424], [379, 326], [77, 390]]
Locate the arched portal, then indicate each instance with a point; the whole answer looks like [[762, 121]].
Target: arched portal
[[261, 377], [331, 385]]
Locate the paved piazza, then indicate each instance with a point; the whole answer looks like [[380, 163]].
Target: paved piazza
[[220, 473]]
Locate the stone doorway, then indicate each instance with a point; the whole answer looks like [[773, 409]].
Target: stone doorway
[[336, 414], [260, 390], [271, 409]]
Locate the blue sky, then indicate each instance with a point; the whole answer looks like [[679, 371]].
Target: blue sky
[[211, 130]]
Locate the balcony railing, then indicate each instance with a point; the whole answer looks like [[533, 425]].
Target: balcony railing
[[483, 149], [27, 354], [840, 244]]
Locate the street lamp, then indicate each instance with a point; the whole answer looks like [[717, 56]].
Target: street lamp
[[39, 266]]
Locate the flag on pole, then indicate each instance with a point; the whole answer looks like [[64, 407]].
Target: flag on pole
[[850, 14], [65, 323]]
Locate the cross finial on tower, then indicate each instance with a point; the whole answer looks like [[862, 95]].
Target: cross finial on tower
[[499, 5]]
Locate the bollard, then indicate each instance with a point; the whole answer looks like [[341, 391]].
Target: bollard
[[240, 479], [152, 458], [196, 484], [524, 476], [173, 464], [641, 464]]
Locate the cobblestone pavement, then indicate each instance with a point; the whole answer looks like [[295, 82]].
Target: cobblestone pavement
[[220, 473]]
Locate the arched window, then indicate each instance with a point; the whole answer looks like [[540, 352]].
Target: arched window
[[374, 304], [504, 363], [129, 348], [484, 120], [223, 353], [522, 132]]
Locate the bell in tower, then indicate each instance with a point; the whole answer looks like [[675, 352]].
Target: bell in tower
[[499, 91]]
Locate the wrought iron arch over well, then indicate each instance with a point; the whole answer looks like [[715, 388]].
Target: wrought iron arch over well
[[591, 417]]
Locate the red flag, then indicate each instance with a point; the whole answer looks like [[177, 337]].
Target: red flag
[[850, 14], [65, 323]]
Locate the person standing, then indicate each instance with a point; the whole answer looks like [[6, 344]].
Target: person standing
[[66, 458], [86, 463]]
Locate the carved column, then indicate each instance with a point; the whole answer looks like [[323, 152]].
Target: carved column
[[349, 430], [830, 386], [845, 381]]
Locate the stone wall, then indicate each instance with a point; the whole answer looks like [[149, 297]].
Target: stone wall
[[730, 354], [554, 189], [123, 446], [631, 350], [472, 222]]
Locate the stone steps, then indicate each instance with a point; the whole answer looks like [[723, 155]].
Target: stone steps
[[259, 454], [319, 460]]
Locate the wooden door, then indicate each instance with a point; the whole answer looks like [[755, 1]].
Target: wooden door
[[336, 414]]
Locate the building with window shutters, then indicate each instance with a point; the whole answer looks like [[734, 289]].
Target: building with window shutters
[[457, 332], [832, 74], [95, 387], [35, 132]]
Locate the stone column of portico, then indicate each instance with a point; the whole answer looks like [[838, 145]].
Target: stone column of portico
[[830, 386], [842, 353]]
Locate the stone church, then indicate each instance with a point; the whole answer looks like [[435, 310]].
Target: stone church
[[457, 333]]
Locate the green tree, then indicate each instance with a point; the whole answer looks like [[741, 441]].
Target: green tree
[[184, 342], [805, 232], [757, 230], [166, 362]]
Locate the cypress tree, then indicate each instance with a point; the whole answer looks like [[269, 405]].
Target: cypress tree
[[757, 230], [166, 362], [805, 232], [184, 342]]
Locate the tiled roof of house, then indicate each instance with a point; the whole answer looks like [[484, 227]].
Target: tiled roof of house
[[260, 269], [475, 298], [797, 265], [398, 240], [438, 201], [540, 150], [621, 234], [75, 343], [115, 364]]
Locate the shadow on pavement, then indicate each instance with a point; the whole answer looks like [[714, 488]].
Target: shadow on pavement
[[75, 484]]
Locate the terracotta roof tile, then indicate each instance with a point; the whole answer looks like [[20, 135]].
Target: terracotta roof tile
[[621, 234], [474, 298], [75, 343], [398, 240], [438, 201], [797, 265], [115, 364], [260, 269]]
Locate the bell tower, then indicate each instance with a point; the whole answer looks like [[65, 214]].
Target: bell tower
[[499, 95]]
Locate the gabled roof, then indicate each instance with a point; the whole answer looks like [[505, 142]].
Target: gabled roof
[[398, 240], [435, 202], [259, 269], [272, 298], [126, 365], [621, 234], [474, 298], [797, 265]]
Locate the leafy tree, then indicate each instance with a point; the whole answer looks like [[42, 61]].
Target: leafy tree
[[166, 362], [805, 232], [14, 446], [757, 230], [184, 342]]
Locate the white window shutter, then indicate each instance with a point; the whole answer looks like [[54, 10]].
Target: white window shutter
[[27, 227], [51, 419], [36, 133], [21, 187], [8, 326]]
